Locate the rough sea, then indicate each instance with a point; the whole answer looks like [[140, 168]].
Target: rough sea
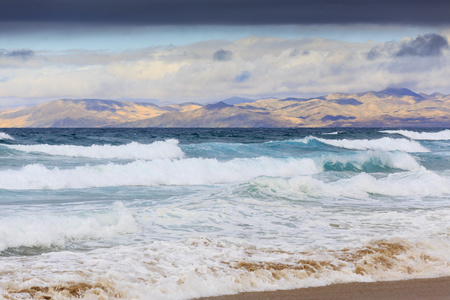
[[185, 213]]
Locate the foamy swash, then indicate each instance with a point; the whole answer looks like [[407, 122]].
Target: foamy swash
[[204, 267]]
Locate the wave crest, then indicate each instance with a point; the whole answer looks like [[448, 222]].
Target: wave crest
[[5, 136], [371, 161], [133, 150], [192, 171], [384, 144], [56, 230], [416, 183], [441, 135]]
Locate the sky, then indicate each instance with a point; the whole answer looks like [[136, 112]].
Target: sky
[[174, 51]]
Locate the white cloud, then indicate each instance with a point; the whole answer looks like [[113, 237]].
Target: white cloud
[[252, 67]]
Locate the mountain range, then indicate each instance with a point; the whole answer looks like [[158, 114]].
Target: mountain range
[[392, 107]]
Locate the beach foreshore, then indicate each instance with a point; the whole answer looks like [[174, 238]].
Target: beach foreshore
[[413, 289]]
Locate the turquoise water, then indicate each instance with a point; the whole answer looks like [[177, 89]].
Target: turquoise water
[[183, 213]]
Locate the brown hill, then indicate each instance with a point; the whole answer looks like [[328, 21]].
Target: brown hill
[[387, 108]]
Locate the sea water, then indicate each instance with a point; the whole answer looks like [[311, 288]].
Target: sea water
[[185, 213]]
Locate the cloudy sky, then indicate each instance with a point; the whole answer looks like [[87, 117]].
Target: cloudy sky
[[172, 51]]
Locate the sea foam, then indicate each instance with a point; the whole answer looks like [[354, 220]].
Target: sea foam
[[133, 150], [202, 267], [415, 183], [49, 230]]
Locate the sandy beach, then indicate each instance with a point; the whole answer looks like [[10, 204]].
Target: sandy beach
[[429, 288]]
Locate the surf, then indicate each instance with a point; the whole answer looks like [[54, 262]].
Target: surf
[[436, 136], [133, 150], [385, 144]]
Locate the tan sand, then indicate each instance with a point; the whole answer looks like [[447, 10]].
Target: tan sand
[[414, 289]]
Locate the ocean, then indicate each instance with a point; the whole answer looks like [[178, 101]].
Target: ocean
[[185, 213]]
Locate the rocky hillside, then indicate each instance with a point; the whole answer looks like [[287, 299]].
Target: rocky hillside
[[86, 113], [387, 108]]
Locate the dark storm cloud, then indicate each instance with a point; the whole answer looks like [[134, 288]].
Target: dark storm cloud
[[225, 12], [424, 45], [21, 54], [222, 55], [430, 44]]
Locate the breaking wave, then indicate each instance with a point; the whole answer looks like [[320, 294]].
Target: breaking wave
[[440, 135], [5, 136], [192, 171], [370, 161], [48, 230], [332, 133], [197, 171], [415, 183], [133, 150], [385, 144]]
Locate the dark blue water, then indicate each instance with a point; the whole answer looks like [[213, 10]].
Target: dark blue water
[[117, 136]]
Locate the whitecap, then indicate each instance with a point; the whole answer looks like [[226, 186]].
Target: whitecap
[[50, 230], [440, 135], [190, 171], [133, 150], [5, 136], [385, 144], [415, 183]]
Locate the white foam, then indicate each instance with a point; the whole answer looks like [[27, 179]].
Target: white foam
[[47, 230], [415, 183], [385, 144], [5, 136], [440, 135], [206, 267], [191, 171], [133, 150]]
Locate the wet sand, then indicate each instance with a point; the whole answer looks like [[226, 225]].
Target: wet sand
[[414, 289]]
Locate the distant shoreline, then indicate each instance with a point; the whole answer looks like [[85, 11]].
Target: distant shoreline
[[412, 289]]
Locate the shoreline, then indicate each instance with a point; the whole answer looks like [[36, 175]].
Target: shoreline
[[410, 289]]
